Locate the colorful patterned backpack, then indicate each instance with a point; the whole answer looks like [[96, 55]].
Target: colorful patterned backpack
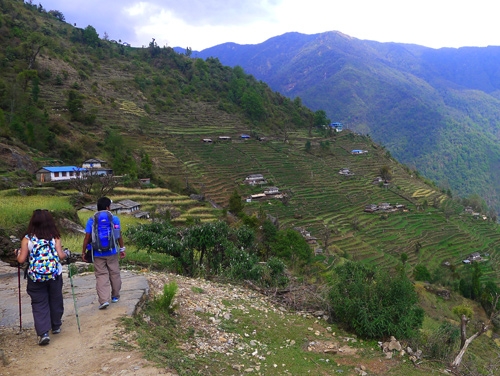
[[43, 259]]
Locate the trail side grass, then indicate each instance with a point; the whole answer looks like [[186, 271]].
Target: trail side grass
[[256, 338]]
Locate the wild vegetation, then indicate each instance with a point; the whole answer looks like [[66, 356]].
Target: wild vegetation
[[147, 110]]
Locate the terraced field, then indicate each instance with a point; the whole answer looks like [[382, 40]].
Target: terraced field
[[319, 196], [151, 199]]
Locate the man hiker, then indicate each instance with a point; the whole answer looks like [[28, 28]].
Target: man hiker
[[103, 234]]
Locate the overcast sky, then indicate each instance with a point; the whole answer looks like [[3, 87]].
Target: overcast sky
[[205, 23]]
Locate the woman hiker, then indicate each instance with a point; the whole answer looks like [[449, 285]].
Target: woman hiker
[[42, 247]]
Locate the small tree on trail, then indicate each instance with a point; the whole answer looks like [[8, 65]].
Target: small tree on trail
[[465, 314], [95, 185]]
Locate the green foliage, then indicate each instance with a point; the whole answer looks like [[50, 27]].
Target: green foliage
[[235, 203], [441, 344], [146, 166], [308, 146], [289, 245], [90, 36], [461, 310], [165, 301], [421, 273], [123, 162], [75, 105], [211, 248], [320, 118], [375, 305]]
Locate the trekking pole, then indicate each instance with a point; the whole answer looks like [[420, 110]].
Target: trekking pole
[[19, 288], [74, 298]]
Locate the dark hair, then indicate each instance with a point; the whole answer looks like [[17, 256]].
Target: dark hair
[[42, 225], [103, 203]]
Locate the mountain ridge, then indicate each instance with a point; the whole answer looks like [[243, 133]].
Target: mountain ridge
[[408, 97]]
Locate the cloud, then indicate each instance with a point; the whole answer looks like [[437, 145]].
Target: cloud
[[217, 12]]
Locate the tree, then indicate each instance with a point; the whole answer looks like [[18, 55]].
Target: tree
[[385, 172], [421, 273], [90, 36], [319, 119], [32, 47], [146, 166], [308, 146], [465, 316], [58, 15], [253, 104], [291, 246], [95, 185], [75, 105], [235, 203]]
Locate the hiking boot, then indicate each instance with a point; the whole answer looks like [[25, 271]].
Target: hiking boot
[[114, 299], [104, 305], [56, 331], [44, 339]]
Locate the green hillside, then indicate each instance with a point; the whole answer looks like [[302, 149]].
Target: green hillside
[[88, 97], [66, 95], [435, 110]]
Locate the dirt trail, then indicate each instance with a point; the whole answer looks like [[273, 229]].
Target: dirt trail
[[90, 352]]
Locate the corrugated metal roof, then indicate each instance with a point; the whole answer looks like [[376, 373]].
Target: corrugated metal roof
[[63, 168]]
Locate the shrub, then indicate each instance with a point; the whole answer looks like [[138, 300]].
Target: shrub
[[375, 305], [164, 302], [441, 343]]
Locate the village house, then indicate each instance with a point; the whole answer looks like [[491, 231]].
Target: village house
[[224, 138], [121, 207], [271, 191], [371, 208], [256, 196], [337, 126], [345, 172], [384, 206], [58, 173], [97, 167], [207, 140], [474, 257], [357, 151], [306, 235], [254, 179]]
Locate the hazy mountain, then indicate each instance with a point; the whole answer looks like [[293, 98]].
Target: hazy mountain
[[436, 110]]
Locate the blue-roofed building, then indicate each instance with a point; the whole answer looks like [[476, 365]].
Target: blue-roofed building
[[58, 173], [245, 136], [337, 126]]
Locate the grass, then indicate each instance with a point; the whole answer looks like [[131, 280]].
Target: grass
[[256, 338], [17, 210]]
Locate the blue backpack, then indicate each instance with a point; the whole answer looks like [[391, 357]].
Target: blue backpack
[[103, 235]]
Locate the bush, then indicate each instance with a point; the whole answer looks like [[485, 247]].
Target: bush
[[164, 302], [441, 343], [375, 305]]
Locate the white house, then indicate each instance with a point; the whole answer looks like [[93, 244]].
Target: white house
[[58, 173], [255, 179], [272, 191], [97, 166]]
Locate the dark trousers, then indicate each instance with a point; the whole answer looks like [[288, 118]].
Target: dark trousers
[[46, 303]]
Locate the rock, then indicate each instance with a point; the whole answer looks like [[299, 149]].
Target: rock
[[237, 367], [331, 351]]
